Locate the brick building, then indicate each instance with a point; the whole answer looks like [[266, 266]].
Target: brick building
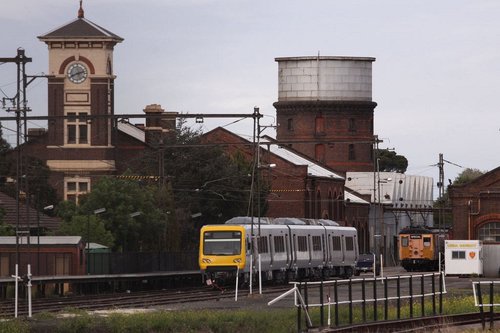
[[325, 110], [476, 208], [84, 140]]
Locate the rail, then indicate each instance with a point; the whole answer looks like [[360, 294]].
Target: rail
[[374, 294]]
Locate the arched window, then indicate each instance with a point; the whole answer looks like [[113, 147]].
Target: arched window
[[490, 232]]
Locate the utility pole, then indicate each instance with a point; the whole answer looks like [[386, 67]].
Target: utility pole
[[20, 60], [441, 192]]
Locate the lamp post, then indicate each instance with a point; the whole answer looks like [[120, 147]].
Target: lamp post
[[131, 215], [96, 212], [46, 208]]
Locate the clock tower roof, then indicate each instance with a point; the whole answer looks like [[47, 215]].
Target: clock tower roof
[[81, 28]]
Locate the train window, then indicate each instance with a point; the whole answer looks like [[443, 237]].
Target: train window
[[316, 243], [404, 241], [457, 254], [336, 243], [279, 244], [263, 247], [427, 241], [222, 243], [349, 243], [302, 243]]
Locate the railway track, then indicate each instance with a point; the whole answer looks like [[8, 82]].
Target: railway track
[[417, 325], [149, 299]]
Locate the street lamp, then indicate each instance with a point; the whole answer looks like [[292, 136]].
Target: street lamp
[[96, 212], [46, 208], [131, 215]]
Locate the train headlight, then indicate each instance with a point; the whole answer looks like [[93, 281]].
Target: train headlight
[[237, 261], [206, 261]]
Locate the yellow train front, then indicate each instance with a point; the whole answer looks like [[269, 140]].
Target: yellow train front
[[419, 249], [222, 251]]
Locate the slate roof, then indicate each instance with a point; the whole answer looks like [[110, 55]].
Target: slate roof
[[9, 205], [81, 28]]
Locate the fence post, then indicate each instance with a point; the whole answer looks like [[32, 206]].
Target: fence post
[[306, 301], [423, 293], [299, 312], [491, 306], [398, 301], [410, 286], [375, 316], [350, 301], [386, 301], [336, 298], [481, 310], [441, 277], [363, 296], [322, 311], [434, 294]]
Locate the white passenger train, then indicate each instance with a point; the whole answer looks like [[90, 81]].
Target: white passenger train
[[289, 249]]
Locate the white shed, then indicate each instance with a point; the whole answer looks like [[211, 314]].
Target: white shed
[[463, 257]]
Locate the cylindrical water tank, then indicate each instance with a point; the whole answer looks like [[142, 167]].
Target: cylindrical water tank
[[325, 78]]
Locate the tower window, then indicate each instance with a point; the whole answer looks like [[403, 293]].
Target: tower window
[[290, 124], [352, 125], [352, 153], [77, 128], [320, 125]]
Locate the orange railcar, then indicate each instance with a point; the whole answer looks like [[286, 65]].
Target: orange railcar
[[419, 248]]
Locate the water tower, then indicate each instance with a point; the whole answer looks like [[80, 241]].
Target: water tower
[[325, 109]]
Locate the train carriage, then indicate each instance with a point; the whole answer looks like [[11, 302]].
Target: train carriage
[[288, 249], [419, 248]]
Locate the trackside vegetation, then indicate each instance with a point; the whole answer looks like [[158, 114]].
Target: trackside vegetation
[[208, 321]]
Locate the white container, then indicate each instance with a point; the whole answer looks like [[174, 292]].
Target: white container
[[463, 257]]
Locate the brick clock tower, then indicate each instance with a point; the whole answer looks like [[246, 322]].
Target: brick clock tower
[[81, 85], [325, 110]]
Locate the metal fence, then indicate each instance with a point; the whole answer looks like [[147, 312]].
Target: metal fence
[[141, 262], [485, 297], [373, 296]]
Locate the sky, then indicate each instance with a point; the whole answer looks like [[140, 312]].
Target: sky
[[435, 79]]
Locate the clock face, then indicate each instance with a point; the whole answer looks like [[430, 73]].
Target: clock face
[[77, 73]]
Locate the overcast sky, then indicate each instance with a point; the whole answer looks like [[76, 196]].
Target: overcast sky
[[436, 77]]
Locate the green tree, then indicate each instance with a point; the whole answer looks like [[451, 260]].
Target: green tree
[[132, 214], [389, 161], [468, 175], [91, 228], [5, 163], [132, 221], [208, 184]]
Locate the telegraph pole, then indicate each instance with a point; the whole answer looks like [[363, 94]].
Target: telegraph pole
[[20, 60]]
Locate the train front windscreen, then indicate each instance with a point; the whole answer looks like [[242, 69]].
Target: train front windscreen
[[222, 243]]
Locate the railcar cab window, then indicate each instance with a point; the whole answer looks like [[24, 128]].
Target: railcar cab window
[[336, 243], [349, 244], [427, 241], [404, 241], [222, 243]]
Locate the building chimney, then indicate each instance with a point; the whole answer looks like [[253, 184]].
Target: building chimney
[[159, 124]]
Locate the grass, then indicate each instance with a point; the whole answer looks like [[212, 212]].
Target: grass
[[216, 321]]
